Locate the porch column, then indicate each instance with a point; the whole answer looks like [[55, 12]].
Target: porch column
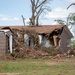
[[40, 39], [10, 43]]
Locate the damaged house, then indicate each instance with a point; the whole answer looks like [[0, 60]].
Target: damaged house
[[49, 36]]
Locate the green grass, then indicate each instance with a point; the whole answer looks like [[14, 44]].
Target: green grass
[[39, 66]]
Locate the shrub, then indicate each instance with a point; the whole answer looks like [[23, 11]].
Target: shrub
[[73, 44]]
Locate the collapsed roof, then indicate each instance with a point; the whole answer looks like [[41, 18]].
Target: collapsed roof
[[45, 29]]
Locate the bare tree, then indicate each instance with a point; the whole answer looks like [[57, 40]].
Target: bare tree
[[70, 5], [23, 20], [37, 8]]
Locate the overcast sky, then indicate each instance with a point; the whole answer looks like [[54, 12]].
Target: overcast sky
[[11, 11]]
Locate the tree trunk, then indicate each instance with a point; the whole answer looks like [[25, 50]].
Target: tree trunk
[[37, 23], [39, 7], [33, 14]]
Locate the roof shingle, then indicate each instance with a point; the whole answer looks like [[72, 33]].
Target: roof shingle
[[38, 29]]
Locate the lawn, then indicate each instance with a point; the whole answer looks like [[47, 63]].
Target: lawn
[[50, 66]]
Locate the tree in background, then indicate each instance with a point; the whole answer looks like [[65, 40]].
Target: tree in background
[[37, 8], [73, 43], [69, 22], [70, 19], [61, 22]]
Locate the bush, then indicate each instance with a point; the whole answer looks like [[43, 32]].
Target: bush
[[73, 44]]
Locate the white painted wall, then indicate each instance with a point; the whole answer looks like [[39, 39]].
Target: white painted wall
[[46, 42], [41, 40]]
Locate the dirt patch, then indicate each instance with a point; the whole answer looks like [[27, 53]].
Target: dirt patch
[[54, 62], [9, 74], [51, 63]]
